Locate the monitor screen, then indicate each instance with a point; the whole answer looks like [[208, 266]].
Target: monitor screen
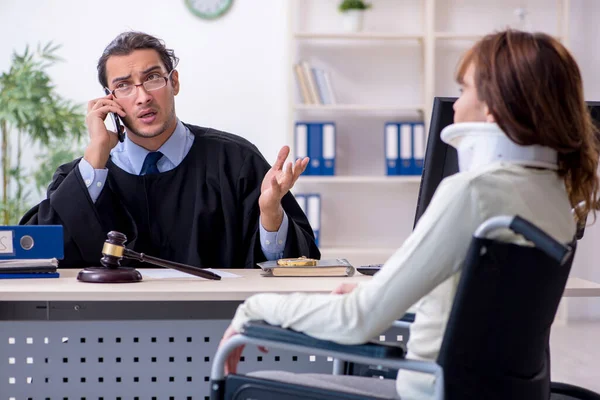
[[441, 159]]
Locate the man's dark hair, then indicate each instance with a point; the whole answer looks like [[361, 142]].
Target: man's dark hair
[[126, 43]]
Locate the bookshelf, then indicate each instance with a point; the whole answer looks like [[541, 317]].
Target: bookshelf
[[358, 107], [357, 36], [394, 180], [390, 71]]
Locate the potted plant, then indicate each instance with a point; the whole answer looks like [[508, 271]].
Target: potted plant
[[353, 12], [31, 113]]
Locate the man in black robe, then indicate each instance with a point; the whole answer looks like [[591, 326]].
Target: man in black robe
[[180, 192]]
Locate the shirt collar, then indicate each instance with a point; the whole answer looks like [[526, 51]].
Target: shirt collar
[[173, 149]]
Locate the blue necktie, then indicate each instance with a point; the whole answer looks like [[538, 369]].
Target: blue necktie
[[150, 162]]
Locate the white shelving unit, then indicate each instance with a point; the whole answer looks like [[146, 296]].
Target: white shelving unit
[[357, 36], [390, 71], [359, 107], [394, 180]]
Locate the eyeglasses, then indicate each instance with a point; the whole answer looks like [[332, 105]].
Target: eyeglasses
[[153, 82]]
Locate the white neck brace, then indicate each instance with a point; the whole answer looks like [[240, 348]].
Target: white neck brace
[[482, 143]]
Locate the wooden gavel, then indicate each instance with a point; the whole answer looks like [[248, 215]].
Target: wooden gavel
[[114, 251]]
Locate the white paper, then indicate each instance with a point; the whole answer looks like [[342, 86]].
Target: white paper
[[6, 242], [34, 262], [172, 273]]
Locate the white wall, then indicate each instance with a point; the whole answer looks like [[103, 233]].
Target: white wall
[[233, 71]]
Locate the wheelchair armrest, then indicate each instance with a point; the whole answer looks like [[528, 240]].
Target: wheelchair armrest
[[263, 335], [264, 331]]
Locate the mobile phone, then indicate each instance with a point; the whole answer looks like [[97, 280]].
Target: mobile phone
[[117, 122]]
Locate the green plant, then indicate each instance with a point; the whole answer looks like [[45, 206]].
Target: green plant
[[57, 153], [32, 112], [346, 5]]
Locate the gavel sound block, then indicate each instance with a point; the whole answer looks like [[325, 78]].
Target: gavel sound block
[[111, 271]]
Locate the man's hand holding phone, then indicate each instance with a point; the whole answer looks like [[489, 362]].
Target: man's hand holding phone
[[102, 140]]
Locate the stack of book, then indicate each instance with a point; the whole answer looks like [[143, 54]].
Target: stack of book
[[34, 268], [314, 84], [333, 267]]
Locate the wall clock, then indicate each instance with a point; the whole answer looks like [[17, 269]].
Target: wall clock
[[208, 9]]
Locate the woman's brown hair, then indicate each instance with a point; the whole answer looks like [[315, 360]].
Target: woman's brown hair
[[533, 89]]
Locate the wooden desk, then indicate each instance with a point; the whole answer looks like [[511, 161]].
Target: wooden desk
[[60, 338], [67, 288]]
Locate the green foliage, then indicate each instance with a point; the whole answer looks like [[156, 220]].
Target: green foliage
[[57, 153], [31, 109], [346, 5]]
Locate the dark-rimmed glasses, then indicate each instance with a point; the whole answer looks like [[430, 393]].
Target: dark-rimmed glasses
[[150, 84]]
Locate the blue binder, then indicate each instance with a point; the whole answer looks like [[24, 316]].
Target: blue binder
[[391, 148], [315, 148], [301, 200], [301, 143], [406, 149], [313, 204], [419, 142], [31, 242], [328, 133], [30, 275]]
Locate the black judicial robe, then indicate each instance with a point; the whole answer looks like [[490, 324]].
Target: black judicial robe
[[204, 212]]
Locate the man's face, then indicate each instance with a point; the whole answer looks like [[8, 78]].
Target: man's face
[[149, 113], [468, 107]]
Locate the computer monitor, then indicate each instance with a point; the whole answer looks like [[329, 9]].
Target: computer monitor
[[441, 160]]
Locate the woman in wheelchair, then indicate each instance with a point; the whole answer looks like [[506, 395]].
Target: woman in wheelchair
[[526, 147]]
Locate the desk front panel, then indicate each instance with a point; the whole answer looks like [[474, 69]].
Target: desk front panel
[[145, 350]]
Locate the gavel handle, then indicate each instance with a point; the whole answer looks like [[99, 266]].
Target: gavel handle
[[188, 269]]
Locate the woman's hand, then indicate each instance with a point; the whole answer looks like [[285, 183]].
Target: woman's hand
[[234, 357], [344, 288]]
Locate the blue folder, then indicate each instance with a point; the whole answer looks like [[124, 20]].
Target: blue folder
[[31, 242], [315, 148], [328, 153], [30, 275]]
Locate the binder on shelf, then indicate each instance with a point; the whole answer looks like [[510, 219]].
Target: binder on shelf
[[301, 200], [406, 149], [328, 164], [391, 148], [315, 148], [419, 141], [301, 143], [313, 203]]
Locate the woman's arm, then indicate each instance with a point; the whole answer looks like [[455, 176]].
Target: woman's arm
[[433, 252]]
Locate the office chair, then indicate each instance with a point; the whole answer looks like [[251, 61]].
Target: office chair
[[502, 286]]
